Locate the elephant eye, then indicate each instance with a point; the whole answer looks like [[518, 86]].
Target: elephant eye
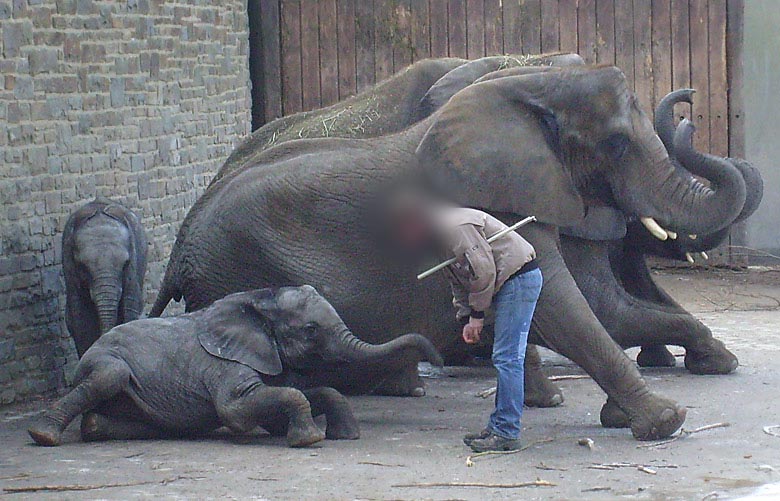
[[614, 147], [310, 328]]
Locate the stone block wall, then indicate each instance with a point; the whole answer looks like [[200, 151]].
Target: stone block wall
[[136, 100]]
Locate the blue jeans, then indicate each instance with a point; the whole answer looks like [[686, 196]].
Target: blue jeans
[[514, 306]]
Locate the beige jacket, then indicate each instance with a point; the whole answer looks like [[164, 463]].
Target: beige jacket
[[481, 267]]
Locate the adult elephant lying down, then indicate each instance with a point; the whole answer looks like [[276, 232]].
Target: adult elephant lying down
[[245, 361], [523, 144]]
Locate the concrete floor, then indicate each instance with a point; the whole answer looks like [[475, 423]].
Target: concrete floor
[[407, 441]]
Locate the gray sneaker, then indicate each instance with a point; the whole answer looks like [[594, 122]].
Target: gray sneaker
[[470, 437], [494, 443]]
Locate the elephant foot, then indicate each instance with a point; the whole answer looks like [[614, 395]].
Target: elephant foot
[[541, 392], [712, 360], [655, 355], [612, 416], [406, 383], [46, 432], [656, 418], [303, 436], [93, 428], [343, 430]]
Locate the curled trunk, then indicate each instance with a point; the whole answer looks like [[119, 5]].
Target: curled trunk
[[664, 116]]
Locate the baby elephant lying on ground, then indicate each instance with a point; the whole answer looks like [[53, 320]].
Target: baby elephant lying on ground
[[233, 364]]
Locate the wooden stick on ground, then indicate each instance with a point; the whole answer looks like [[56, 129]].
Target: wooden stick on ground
[[684, 433], [470, 462], [535, 483], [85, 487]]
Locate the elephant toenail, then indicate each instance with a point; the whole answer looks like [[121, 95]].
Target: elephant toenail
[[418, 392]]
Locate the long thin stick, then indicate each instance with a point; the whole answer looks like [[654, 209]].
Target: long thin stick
[[535, 483], [441, 266], [683, 433]]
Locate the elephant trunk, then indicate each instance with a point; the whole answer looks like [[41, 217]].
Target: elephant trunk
[[698, 165], [106, 292], [352, 349], [664, 116], [669, 193]]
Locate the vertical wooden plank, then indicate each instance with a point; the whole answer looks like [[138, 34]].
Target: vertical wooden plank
[[719, 126], [364, 44], [272, 63], [662, 49], [494, 41], [700, 72], [310, 55], [624, 38], [681, 46], [402, 36], [456, 18], [531, 26], [643, 55], [605, 31], [291, 57], [439, 29], [329, 59], [475, 29], [421, 30], [718, 112], [734, 54], [586, 30], [567, 10], [551, 41], [384, 32], [513, 38], [346, 48]]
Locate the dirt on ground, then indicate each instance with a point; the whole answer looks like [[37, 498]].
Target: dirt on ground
[[409, 445]]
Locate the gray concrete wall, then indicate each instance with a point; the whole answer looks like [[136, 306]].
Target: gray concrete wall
[[137, 100], [762, 116]]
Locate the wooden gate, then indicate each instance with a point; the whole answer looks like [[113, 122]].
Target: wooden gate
[[311, 53]]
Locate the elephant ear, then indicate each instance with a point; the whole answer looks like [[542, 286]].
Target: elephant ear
[[600, 223], [238, 328], [133, 278], [496, 146]]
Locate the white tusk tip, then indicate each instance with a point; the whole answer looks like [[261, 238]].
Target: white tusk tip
[[689, 257], [693, 236], [704, 255], [672, 234]]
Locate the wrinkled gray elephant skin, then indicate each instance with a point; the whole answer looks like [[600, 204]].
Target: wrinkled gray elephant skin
[[248, 360], [104, 262], [515, 145]]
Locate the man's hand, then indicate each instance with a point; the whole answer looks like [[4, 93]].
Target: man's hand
[[472, 330]]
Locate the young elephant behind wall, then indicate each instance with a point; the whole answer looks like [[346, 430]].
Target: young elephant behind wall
[[104, 262], [236, 363]]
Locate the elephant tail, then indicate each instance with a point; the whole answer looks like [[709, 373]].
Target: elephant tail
[[168, 290]]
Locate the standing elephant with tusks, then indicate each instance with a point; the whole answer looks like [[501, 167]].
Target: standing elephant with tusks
[[250, 359], [542, 144], [104, 262]]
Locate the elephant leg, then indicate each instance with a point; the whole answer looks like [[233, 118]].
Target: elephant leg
[[252, 404], [341, 423], [99, 385], [566, 323], [612, 416], [96, 427], [403, 379], [539, 391], [636, 322]]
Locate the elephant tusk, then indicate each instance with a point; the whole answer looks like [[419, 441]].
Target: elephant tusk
[[704, 255], [693, 236], [689, 257], [654, 228], [672, 234]]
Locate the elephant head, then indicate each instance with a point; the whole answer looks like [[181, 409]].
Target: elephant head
[[678, 142], [568, 140], [104, 258], [293, 328]]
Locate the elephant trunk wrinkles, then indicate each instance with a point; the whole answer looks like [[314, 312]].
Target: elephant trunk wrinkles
[[672, 195], [355, 350], [105, 294], [703, 166]]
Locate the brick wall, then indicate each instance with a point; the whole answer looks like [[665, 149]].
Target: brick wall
[[137, 100]]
